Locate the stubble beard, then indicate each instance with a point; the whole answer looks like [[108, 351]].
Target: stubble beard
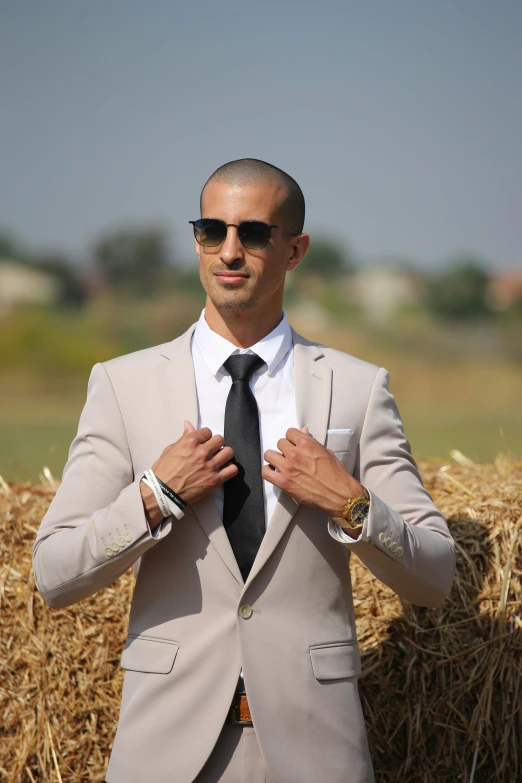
[[230, 298]]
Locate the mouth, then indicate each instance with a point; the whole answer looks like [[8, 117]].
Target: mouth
[[231, 278]]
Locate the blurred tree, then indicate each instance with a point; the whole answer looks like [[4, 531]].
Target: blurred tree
[[9, 246], [325, 259], [72, 290], [461, 292], [133, 258]]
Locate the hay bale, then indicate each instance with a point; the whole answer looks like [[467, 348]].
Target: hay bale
[[441, 688]]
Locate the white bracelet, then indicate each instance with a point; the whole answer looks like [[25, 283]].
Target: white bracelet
[[166, 505], [174, 508], [152, 482]]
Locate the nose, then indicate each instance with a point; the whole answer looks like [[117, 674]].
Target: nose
[[231, 249]]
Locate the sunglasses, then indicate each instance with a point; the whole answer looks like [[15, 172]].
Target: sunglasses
[[253, 234]]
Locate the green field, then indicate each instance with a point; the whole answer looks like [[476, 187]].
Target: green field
[[449, 399]]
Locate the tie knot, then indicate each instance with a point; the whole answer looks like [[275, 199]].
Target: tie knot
[[242, 366]]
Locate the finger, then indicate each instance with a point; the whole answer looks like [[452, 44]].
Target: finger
[[215, 443], [305, 430], [284, 446], [294, 435], [228, 472], [201, 435], [224, 455], [275, 458], [189, 427], [271, 475]]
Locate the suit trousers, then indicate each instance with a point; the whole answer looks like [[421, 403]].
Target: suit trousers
[[236, 758]]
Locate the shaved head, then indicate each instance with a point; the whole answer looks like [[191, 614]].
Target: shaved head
[[250, 171]]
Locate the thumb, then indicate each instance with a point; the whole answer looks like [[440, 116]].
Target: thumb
[[188, 427]]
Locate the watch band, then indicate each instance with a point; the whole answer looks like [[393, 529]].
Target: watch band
[[346, 520]]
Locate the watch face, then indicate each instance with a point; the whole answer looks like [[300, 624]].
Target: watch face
[[359, 513]]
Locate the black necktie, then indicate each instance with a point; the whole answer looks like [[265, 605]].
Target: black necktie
[[243, 508]]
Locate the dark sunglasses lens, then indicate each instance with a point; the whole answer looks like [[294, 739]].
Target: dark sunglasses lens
[[254, 235], [210, 233]]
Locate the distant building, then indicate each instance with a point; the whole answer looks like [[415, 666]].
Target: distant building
[[382, 290], [505, 290], [20, 284]]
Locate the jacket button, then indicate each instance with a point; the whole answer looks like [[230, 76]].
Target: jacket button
[[382, 538], [399, 551], [245, 611], [393, 546], [122, 542], [128, 536], [109, 552], [388, 543]]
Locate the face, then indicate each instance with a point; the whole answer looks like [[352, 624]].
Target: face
[[234, 277]]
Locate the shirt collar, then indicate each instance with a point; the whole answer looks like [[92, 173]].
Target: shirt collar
[[216, 349]]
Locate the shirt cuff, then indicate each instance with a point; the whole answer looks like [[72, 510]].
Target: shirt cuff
[[158, 529], [338, 533]]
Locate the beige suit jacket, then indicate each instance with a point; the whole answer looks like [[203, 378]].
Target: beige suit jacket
[[187, 638]]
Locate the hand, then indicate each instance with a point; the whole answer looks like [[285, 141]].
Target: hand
[[310, 473], [193, 466]]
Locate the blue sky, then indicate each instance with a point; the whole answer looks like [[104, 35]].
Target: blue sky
[[402, 120]]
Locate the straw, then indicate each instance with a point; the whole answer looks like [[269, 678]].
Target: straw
[[440, 687]]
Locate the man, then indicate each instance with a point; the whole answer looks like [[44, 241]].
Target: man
[[220, 606]]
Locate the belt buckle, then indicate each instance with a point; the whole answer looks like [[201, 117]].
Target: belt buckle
[[233, 714]]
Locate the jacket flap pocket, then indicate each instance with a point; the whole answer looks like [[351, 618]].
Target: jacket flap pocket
[[146, 654], [335, 661], [339, 440]]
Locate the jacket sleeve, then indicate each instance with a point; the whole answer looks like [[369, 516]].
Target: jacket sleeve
[[405, 540], [95, 527]]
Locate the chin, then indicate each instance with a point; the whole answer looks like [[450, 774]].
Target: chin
[[229, 298], [231, 301]]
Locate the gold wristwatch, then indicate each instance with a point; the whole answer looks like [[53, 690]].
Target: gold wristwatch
[[355, 511]]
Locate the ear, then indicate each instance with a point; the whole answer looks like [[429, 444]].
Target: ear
[[300, 248]]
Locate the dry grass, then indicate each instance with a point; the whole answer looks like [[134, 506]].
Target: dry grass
[[441, 688]]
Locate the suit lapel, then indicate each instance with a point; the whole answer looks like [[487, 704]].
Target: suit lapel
[[178, 388], [313, 391]]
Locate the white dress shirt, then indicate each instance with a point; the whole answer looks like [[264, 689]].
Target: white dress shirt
[[273, 387]]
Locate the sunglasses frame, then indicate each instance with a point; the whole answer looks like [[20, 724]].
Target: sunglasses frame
[[238, 226]]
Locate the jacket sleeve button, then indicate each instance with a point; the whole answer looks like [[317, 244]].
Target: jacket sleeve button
[[382, 538]]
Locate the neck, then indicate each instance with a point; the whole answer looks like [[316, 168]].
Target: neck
[[242, 328]]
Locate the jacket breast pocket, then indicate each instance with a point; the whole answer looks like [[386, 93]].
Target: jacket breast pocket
[[336, 660], [339, 441], [147, 654]]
